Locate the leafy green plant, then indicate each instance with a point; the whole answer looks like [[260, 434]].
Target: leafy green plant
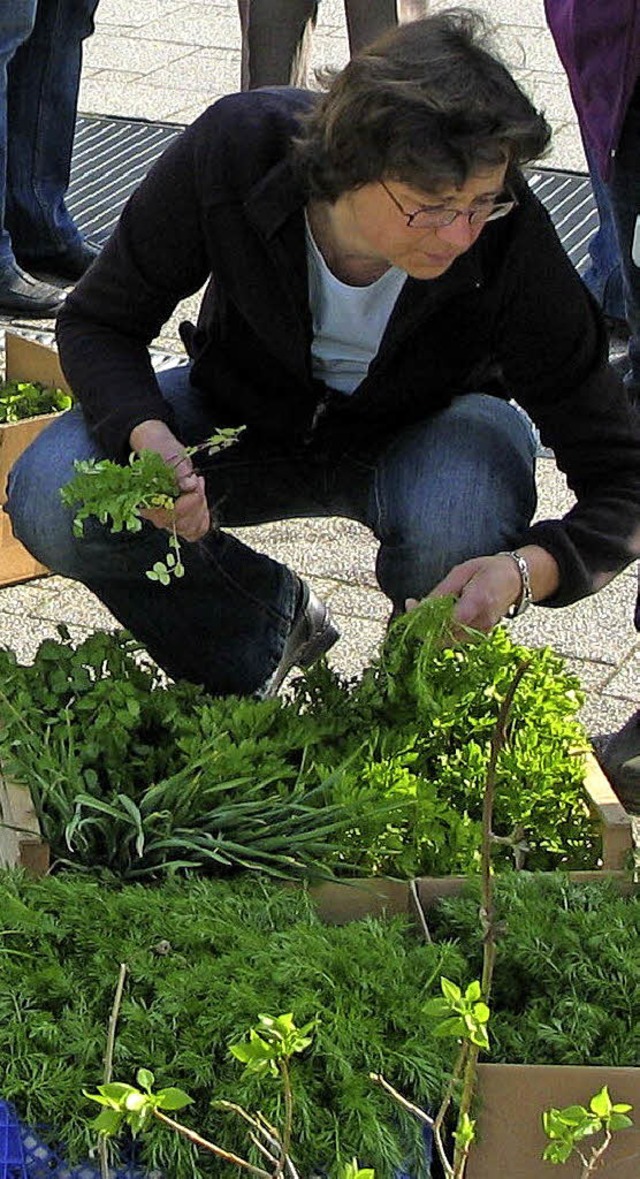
[[567, 1129], [461, 1013], [565, 982], [117, 495], [29, 399], [373, 777]]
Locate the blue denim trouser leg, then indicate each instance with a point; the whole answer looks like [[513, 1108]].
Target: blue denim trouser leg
[[16, 23], [43, 77], [604, 274], [458, 485]]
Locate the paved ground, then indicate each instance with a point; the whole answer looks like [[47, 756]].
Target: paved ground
[[167, 60]]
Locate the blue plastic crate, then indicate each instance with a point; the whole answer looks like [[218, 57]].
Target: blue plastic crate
[[24, 1155], [12, 1162]]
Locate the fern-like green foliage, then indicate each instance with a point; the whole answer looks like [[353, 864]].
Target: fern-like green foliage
[[566, 986], [205, 959]]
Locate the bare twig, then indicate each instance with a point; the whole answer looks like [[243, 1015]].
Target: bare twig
[[419, 1113], [198, 1140], [107, 1070]]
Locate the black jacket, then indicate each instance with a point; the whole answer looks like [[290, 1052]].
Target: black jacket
[[509, 317]]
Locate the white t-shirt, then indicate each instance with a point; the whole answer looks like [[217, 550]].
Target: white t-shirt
[[348, 322]]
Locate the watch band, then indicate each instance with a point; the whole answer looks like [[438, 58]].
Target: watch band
[[526, 596]]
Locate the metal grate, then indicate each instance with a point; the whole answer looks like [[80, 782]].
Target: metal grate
[[111, 156], [569, 201]]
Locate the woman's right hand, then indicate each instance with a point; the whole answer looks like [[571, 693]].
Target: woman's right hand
[[190, 515]]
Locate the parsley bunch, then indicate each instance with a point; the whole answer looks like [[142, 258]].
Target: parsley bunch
[[117, 495]]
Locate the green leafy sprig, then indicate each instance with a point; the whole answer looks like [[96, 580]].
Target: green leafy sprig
[[568, 1128], [117, 495]]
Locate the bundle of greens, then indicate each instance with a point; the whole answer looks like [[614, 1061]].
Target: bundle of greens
[[205, 958], [29, 399], [381, 775], [117, 495]]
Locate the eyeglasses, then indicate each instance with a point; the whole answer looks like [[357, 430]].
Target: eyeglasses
[[437, 218]]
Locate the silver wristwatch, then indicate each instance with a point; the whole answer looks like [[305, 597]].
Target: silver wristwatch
[[526, 597]]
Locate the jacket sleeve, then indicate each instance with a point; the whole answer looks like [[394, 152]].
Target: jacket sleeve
[[156, 256], [554, 354]]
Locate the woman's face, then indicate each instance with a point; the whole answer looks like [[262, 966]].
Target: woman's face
[[377, 226]]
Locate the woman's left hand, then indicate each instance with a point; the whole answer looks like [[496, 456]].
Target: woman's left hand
[[487, 586]]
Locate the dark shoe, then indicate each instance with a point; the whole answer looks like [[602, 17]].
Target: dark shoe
[[21, 294], [313, 632], [70, 264], [620, 761]]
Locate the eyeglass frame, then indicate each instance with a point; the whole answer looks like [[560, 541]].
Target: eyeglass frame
[[474, 216]]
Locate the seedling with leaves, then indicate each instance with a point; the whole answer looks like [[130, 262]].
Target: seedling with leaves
[[567, 1129], [118, 495]]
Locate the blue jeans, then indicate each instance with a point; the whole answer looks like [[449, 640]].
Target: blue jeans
[[458, 485], [614, 274], [40, 63]]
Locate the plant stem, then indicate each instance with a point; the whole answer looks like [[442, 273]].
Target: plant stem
[[227, 1155], [108, 1060], [590, 1164], [288, 1114], [262, 1127], [487, 913]]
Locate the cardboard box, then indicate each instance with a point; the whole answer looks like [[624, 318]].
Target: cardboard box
[[26, 360]]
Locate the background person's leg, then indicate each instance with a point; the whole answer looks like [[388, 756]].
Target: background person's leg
[[20, 293], [459, 485], [276, 41], [17, 19], [368, 19], [43, 82], [624, 195], [604, 274]]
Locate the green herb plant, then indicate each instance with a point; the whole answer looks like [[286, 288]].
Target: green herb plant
[[462, 1014], [568, 1128], [377, 777], [62, 937], [117, 495], [28, 399]]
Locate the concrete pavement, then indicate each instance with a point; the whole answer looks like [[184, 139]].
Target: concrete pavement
[[168, 59]]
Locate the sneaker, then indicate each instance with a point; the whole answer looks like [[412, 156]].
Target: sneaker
[[620, 761], [313, 632]]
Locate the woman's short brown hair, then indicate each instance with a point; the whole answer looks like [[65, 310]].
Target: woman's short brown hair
[[428, 104]]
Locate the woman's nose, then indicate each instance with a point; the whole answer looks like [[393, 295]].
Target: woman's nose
[[460, 233]]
